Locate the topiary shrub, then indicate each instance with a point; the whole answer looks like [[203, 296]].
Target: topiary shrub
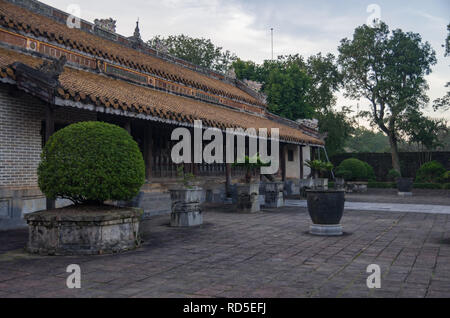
[[91, 162], [393, 174], [430, 172], [356, 167], [370, 172]]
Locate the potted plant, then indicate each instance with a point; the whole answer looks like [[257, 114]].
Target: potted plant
[[247, 191], [186, 198], [91, 164], [318, 168], [404, 185], [357, 174]]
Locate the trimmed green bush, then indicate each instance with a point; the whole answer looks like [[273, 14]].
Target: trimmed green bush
[[393, 174], [91, 162], [381, 185], [430, 172], [356, 167], [370, 172], [426, 185], [446, 186]]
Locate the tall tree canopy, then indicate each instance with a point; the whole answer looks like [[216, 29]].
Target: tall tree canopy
[[199, 51], [444, 102], [388, 69]]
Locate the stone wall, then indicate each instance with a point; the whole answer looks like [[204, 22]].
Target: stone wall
[[382, 162]]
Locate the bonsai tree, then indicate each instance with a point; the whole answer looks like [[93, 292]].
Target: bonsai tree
[[251, 164], [186, 178], [319, 166], [430, 172], [91, 162], [393, 174], [355, 169]]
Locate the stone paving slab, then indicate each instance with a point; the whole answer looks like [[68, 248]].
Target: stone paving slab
[[388, 207], [265, 254]]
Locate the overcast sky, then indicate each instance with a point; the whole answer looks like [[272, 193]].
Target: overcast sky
[[304, 27]]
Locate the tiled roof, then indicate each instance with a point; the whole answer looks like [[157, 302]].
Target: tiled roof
[[19, 19], [100, 90]]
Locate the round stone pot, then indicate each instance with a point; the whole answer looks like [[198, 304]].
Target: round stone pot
[[186, 206], [69, 231], [404, 185], [325, 208], [247, 197]]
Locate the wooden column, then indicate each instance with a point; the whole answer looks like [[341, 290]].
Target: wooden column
[[148, 151], [49, 130], [301, 162], [283, 162]]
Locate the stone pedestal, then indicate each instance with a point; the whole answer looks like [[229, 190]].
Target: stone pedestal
[[326, 229], [274, 194], [247, 197], [81, 231], [356, 186], [405, 194], [186, 207]]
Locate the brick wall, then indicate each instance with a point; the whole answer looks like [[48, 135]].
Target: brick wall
[[21, 117]]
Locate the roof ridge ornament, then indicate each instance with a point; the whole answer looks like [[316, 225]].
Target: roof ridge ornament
[[54, 68]]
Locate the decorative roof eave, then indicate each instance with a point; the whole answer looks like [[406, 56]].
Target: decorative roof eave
[[62, 40], [69, 98]]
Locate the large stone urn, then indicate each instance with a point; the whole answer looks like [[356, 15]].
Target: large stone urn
[[274, 194], [325, 208], [77, 230], [247, 197], [404, 186], [186, 206]]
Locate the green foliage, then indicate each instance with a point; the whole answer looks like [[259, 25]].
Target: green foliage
[[186, 178], [445, 177], [357, 168], [382, 185], [344, 174], [446, 186], [253, 162], [91, 162], [319, 166], [430, 172], [427, 185], [366, 140], [393, 174], [370, 172], [388, 69], [337, 126], [200, 51]]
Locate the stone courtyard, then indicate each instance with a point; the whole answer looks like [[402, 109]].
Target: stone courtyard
[[265, 254]]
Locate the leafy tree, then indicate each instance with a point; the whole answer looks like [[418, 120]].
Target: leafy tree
[[444, 102], [337, 126], [388, 69], [199, 51], [366, 140]]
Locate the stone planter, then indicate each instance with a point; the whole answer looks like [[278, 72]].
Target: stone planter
[[186, 206], [320, 183], [247, 200], [72, 231], [274, 194], [356, 186], [325, 208], [339, 183], [404, 186]]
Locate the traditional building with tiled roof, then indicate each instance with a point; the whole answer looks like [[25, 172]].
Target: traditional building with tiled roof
[[52, 75]]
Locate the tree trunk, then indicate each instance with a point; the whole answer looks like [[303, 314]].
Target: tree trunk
[[394, 153]]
